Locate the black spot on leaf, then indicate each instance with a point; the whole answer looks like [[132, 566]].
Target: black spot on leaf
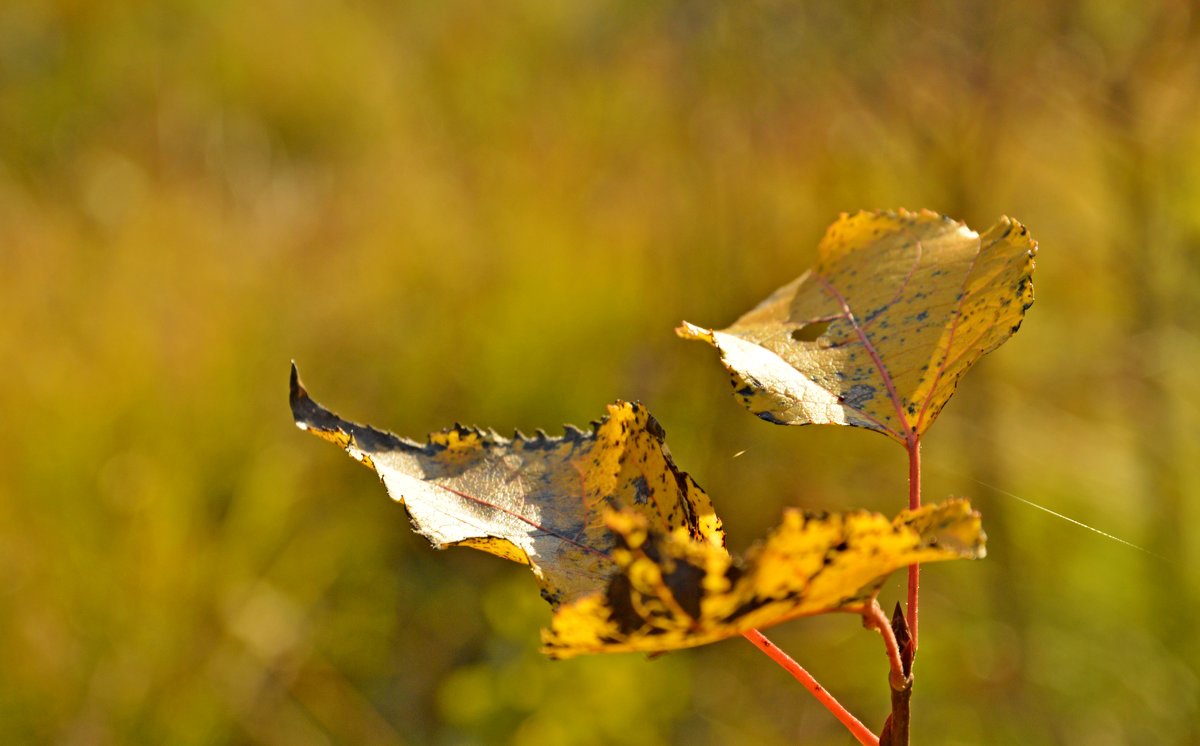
[[641, 490], [684, 584], [859, 395], [620, 602]]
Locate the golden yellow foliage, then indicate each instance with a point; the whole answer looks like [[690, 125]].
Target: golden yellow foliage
[[674, 592], [899, 306], [626, 547]]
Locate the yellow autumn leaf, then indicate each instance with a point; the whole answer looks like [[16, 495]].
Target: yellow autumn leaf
[[536, 500], [675, 592], [898, 307]]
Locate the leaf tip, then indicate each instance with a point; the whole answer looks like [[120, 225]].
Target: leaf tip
[[688, 330], [952, 526], [312, 417], [298, 398]]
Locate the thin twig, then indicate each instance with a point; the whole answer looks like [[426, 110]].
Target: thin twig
[[874, 618], [853, 724]]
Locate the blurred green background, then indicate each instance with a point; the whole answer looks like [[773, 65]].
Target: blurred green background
[[496, 213]]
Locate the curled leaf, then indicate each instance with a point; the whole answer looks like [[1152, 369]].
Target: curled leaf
[[899, 306], [674, 592], [535, 500]]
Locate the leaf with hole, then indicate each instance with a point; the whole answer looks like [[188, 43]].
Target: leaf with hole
[[877, 335]]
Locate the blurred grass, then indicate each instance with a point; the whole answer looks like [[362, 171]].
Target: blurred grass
[[458, 211]]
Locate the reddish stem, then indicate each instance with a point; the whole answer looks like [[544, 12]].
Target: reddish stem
[[853, 724], [913, 446], [874, 618]]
